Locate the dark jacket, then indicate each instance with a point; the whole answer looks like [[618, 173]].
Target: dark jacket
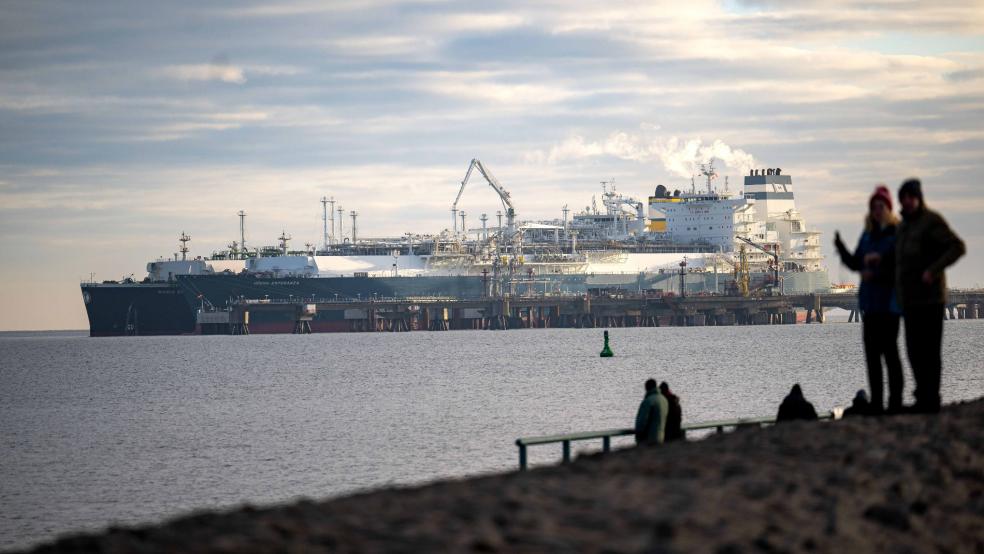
[[925, 243], [877, 293], [650, 423], [795, 406], [674, 418], [860, 406]]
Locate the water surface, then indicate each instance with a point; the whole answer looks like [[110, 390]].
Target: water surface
[[130, 430]]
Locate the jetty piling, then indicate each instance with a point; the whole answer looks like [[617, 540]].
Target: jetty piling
[[549, 311]]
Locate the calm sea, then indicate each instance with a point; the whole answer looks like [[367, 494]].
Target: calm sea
[[104, 431]]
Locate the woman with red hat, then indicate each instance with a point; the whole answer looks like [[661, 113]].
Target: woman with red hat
[[874, 258]]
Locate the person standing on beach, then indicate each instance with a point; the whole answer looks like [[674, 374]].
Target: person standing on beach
[[874, 258], [674, 415], [795, 406], [924, 248], [650, 423]]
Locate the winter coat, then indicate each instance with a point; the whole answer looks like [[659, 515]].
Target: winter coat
[[650, 423], [674, 418], [925, 243], [794, 407], [858, 407], [877, 293]]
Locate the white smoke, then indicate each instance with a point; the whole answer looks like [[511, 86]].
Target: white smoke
[[679, 157]]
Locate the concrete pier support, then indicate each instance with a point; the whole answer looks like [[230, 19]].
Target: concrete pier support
[[614, 309]]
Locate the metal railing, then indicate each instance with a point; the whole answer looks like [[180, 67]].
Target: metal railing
[[606, 436]]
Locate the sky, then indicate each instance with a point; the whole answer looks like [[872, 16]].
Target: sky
[[124, 124]]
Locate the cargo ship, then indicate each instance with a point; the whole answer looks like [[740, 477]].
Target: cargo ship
[[753, 241]]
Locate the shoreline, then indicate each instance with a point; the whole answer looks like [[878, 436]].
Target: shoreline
[[900, 483]]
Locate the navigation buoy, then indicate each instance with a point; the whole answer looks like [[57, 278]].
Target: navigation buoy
[[606, 352]]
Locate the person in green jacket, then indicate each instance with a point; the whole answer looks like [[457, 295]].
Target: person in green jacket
[[925, 245], [650, 423]]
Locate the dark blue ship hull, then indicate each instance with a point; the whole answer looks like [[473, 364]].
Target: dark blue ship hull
[[171, 308], [120, 309]]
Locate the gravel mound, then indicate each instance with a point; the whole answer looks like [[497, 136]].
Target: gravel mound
[[912, 483]]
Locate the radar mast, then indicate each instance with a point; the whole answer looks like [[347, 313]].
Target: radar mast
[[707, 170], [184, 245], [284, 237]]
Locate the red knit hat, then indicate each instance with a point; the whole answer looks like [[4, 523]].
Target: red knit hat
[[882, 193]]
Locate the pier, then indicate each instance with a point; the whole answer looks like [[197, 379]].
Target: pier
[[608, 309]]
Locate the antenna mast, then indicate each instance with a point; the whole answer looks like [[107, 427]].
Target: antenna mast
[[324, 219], [284, 237], [331, 215], [707, 170], [341, 218], [242, 232], [184, 245]]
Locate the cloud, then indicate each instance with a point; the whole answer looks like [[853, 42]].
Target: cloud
[[383, 102], [518, 94], [223, 71], [966, 75], [679, 157], [309, 8], [477, 22], [206, 72], [389, 45]]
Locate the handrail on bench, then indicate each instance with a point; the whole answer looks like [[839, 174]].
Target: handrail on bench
[[606, 436]]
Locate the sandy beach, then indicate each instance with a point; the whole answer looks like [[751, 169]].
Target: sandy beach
[[912, 483]]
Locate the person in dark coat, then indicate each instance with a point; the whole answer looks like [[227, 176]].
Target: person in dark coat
[[650, 423], [925, 247], [674, 414], [860, 405], [795, 407], [874, 258]]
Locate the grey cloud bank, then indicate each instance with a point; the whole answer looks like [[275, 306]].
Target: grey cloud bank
[[123, 124]]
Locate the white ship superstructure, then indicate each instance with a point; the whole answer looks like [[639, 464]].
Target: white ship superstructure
[[707, 217], [771, 192], [710, 231]]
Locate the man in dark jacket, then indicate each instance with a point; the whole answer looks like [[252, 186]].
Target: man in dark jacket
[[925, 246], [674, 415], [650, 423], [795, 406]]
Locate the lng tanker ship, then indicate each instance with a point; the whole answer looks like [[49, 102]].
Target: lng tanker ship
[[625, 244]]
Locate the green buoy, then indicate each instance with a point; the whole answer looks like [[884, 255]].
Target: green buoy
[[606, 352]]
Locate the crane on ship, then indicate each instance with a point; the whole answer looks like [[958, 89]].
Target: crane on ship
[[507, 204], [510, 236], [774, 254]]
